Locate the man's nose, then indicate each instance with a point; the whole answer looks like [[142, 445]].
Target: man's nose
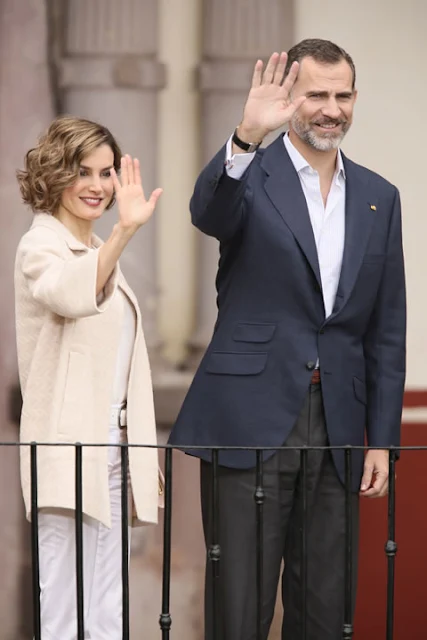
[[331, 109]]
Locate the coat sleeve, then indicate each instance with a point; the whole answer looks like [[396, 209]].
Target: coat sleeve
[[66, 285], [385, 344], [218, 202]]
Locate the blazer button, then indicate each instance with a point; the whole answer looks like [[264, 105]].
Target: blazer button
[[322, 331], [310, 365]]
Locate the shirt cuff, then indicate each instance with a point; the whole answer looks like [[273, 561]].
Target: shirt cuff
[[236, 165]]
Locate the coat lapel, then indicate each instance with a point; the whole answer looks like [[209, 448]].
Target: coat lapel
[[360, 212], [130, 294], [284, 189]]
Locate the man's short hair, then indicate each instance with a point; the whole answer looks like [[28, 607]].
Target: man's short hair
[[323, 51]]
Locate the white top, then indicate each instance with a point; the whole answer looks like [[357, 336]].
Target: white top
[[125, 351], [328, 222]]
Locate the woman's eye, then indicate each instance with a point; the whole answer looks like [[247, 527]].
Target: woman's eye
[[83, 173], [106, 174]]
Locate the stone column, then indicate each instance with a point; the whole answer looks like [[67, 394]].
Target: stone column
[[235, 35], [179, 114], [25, 110], [110, 73]]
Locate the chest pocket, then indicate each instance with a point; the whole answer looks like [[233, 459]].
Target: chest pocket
[[374, 258]]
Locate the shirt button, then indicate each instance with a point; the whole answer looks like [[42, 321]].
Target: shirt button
[[310, 365]]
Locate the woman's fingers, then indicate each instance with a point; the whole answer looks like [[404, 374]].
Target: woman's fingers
[[137, 172], [130, 169], [124, 171], [116, 183], [155, 196]]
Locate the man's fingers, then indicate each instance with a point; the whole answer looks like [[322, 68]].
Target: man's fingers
[[290, 78], [280, 68], [295, 105], [270, 69], [257, 74], [366, 478], [379, 487]]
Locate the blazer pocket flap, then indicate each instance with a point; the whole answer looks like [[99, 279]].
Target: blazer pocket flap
[[360, 390], [253, 332], [237, 364]]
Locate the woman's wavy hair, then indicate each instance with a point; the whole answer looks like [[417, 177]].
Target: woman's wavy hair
[[53, 165]]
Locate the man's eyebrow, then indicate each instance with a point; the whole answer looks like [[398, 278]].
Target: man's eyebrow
[[324, 94], [317, 93]]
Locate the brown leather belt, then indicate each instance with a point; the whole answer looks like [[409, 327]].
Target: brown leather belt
[[315, 378]]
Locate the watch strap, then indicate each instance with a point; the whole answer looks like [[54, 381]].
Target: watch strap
[[250, 147]]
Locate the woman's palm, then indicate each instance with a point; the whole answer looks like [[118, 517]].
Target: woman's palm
[[134, 209]]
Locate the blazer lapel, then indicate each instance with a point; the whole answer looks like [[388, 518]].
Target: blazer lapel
[[360, 212], [284, 189]]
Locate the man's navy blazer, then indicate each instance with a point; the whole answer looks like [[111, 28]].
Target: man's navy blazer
[[271, 328]]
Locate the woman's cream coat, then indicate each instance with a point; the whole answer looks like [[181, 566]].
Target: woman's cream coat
[[67, 349]]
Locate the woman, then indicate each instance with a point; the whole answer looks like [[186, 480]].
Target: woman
[[83, 367]]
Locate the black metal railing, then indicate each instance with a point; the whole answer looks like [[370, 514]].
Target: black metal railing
[[214, 550]]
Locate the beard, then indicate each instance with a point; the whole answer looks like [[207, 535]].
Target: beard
[[321, 141]]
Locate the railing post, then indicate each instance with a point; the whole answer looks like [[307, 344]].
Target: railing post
[[125, 540], [214, 552], [391, 545], [259, 501], [303, 542], [348, 571], [35, 543], [165, 617], [79, 542]]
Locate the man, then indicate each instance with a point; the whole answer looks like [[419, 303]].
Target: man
[[309, 345]]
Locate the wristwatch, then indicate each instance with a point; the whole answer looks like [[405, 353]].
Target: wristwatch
[[250, 147]]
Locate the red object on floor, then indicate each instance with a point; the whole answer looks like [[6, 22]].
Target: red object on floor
[[411, 560]]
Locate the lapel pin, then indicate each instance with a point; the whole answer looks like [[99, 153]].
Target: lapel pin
[[373, 207]]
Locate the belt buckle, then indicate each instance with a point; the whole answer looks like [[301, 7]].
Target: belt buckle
[[119, 415], [315, 378]]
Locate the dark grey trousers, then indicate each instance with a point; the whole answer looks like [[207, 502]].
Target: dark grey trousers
[[325, 517]]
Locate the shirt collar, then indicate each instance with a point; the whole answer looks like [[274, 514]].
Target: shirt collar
[[301, 163]]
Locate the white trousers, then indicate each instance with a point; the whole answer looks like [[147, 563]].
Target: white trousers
[[102, 566]]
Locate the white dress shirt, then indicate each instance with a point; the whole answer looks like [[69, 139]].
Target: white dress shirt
[[328, 222], [125, 352]]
